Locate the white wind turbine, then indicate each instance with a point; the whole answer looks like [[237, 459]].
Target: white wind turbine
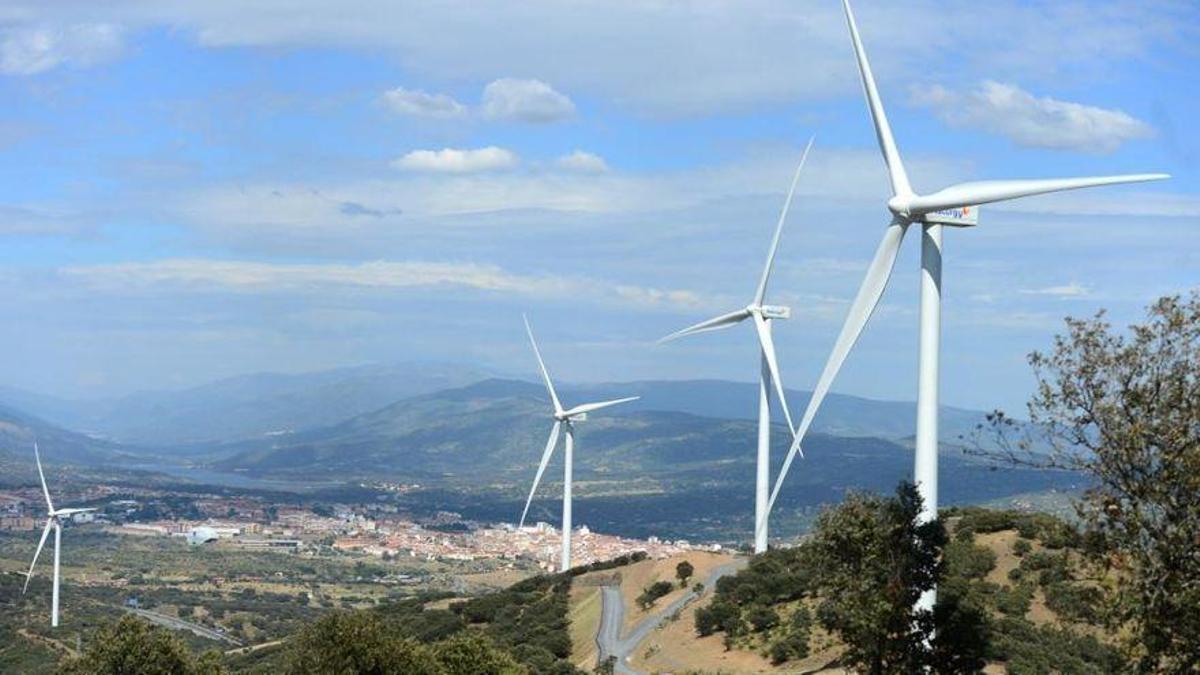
[[769, 373], [53, 519], [957, 206], [562, 419]]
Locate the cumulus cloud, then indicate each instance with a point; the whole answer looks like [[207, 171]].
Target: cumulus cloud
[[451, 160], [252, 276], [420, 104], [585, 162], [525, 101], [30, 50], [1040, 122]]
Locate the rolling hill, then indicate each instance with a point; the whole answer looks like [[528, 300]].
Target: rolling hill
[[671, 471]]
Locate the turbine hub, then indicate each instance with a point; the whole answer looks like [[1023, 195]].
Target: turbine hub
[[900, 206], [778, 312]]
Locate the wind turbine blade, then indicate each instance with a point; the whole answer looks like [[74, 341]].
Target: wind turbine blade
[[46, 491], [542, 366], [787, 203], [883, 130], [589, 407], [541, 468], [864, 305], [71, 512], [768, 348], [38, 552], [716, 323], [984, 192]]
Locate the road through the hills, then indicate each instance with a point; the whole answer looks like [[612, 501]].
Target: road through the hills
[[612, 615]]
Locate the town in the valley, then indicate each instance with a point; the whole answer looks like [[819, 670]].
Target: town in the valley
[[378, 530]]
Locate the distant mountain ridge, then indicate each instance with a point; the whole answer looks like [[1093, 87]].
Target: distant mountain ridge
[[257, 405], [490, 435], [245, 406]]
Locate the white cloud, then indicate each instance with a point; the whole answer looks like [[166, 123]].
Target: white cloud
[[1065, 291], [584, 162], [525, 101], [420, 104], [259, 277], [451, 160], [1028, 120], [29, 50]]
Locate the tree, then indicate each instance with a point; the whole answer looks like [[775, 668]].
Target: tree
[[653, 592], [683, 572], [349, 643], [874, 562], [133, 647], [1124, 409], [466, 654]]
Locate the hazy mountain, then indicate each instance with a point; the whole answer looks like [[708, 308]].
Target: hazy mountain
[[246, 406], [490, 435], [18, 431], [258, 405], [840, 414]]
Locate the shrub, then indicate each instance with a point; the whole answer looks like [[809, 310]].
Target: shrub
[[1021, 547], [966, 560], [1074, 602], [762, 618], [1014, 601], [653, 592]]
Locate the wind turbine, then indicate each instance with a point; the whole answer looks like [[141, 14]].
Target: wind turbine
[[563, 419], [53, 519], [957, 206], [762, 315]]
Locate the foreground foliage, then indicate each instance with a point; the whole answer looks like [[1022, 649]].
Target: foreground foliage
[[856, 578], [132, 646], [1125, 410]]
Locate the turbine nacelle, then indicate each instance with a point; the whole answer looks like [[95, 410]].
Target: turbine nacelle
[[909, 209], [778, 312]]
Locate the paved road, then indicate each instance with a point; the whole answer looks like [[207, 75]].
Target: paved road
[[612, 615], [179, 624]]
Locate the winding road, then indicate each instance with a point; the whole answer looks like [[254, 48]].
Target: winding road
[[612, 615], [179, 624]]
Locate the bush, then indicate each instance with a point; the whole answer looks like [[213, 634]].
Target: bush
[[653, 592], [1021, 547], [966, 560], [1014, 601], [762, 618], [721, 615], [1074, 602]]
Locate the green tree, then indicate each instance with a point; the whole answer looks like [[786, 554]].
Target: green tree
[[467, 654], [683, 572], [874, 562], [354, 643], [653, 592], [133, 647], [1124, 409]]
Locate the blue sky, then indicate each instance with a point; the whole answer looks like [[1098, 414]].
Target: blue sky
[[196, 190]]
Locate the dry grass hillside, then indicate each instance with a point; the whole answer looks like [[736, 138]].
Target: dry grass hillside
[[1035, 590]]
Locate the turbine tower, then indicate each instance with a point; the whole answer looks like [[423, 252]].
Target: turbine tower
[[53, 519], [762, 315], [563, 419], [956, 206]]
